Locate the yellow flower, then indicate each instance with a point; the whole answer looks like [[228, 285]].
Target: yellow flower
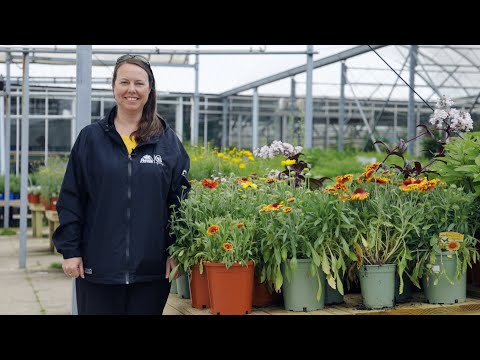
[[249, 184], [289, 162], [242, 166], [228, 246]]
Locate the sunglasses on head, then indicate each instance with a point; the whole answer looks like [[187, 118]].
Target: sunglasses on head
[[129, 56]]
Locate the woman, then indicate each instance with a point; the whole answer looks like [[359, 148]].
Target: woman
[[125, 175]]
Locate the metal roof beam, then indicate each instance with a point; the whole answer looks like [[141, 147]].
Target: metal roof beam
[[303, 68]]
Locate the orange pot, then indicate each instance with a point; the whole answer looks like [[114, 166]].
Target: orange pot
[[199, 288], [231, 290]]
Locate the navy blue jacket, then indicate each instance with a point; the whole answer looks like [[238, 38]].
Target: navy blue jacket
[[114, 207]]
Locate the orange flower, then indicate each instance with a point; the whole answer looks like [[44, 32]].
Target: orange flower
[[276, 206], [240, 225], [228, 246], [287, 209], [427, 185], [379, 180], [453, 246], [359, 194], [369, 170], [343, 179], [243, 179], [213, 229], [272, 207], [212, 184]]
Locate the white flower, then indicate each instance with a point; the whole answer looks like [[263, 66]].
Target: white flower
[[277, 148], [446, 117]]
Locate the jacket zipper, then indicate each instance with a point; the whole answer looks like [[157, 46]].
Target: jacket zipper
[[129, 196]]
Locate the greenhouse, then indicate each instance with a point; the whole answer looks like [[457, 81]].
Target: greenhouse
[[346, 107]]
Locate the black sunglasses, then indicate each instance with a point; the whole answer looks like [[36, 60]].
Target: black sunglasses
[[129, 56]]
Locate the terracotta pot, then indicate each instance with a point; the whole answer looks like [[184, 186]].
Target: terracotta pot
[[262, 297], [231, 290], [199, 288], [45, 203]]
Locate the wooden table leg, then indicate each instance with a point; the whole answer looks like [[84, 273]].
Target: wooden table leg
[[52, 227], [37, 223]]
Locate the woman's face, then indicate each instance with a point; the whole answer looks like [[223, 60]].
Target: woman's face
[[131, 88]]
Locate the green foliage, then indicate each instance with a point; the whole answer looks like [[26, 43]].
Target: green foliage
[[462, 166], [8, 232], [228, 240], [214, 163], [332, 162], [385, 222], [14, 183], [203, 204], [446, 209], [56, 265], [50, 177]]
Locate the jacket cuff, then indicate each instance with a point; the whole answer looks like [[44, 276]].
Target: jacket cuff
[[71, 254]]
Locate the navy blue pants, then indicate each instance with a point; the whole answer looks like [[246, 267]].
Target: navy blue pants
[[148, 298]]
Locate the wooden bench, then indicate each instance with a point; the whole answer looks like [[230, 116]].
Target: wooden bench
[[53, 223]]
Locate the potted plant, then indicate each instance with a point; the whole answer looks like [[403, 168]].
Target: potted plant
[[229, 260], [50, 180], [447, 246], [385, 217], [207, 199], [290, 257], [461, 167]]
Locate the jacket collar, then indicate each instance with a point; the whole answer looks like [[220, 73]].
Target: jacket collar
[[107, 124]]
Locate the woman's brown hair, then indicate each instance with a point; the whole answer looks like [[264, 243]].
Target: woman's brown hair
[[150, 123]]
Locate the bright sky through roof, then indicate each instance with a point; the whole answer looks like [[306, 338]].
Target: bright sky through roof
[[218, 73]]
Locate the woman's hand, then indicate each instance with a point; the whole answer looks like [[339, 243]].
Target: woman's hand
[[73, 267]]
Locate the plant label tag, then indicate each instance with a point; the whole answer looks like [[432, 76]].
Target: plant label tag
[[451, 236], [436, 269]]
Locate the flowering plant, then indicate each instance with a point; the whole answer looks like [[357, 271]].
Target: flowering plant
[[446, 209], [450, 119], [444, 118], [228, 240], [385, 217], [209, 199], [296, 170]]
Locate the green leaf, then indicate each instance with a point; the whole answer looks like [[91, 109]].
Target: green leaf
[[315, 257], [277, 256], [325, 264], [331, 282], [278, 280], [477, 160], [340, 287], [467, 168]]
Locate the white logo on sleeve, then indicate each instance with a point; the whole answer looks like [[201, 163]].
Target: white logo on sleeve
[[147, 159], [184, 173]]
